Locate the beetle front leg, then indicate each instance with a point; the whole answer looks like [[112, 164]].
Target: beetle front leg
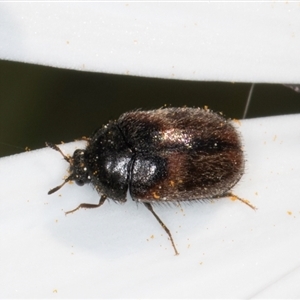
[[88, 205]]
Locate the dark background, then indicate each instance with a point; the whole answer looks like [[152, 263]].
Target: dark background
[[39, 104]]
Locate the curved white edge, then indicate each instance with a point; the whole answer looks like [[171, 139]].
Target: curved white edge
[[237, 41], [120, 251]]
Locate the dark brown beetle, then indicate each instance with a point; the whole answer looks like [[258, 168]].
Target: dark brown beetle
[[163, 155]]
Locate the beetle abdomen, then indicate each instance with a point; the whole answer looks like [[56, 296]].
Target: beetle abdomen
[[181, 154]]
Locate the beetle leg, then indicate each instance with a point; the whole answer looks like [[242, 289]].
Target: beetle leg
[[235, 197], [88, 205], [166, 229]]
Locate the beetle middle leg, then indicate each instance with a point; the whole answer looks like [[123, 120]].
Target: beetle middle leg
[[166, 229], [88, 205]]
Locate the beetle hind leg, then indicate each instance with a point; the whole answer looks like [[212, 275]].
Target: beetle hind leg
[[235, 197]]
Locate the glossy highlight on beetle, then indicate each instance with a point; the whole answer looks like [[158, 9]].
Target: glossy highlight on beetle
[[163, 155]]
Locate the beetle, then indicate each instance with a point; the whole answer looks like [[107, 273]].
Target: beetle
[[165, 155]]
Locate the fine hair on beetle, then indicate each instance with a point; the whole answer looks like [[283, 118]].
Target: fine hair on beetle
[[165, 155]]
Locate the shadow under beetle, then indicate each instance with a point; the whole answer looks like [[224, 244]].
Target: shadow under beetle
[[163, 155]]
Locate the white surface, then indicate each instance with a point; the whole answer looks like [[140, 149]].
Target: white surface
[[253, 42], [226, 249]]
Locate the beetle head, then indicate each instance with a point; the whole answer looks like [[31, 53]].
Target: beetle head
[[78, 169]]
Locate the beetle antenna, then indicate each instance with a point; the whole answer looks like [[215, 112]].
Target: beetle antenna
[[68, 159], [55, 147], [60, 186]]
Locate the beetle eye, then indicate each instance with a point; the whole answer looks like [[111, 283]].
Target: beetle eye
[[80, 182]]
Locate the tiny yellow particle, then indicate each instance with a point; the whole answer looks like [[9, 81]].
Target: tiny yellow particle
[[155, 195]]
